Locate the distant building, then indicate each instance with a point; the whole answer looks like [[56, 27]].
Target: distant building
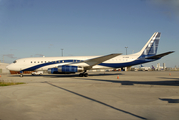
[[3, 68]]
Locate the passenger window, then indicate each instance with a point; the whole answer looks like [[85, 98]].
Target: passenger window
[[34, 61], [31, 61], [41, 61]]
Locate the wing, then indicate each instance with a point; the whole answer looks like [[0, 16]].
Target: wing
[[98, 60], [95, 61]]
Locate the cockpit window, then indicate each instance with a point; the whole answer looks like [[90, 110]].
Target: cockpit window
[[15, 61]]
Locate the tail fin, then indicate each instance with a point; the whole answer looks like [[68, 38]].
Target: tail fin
[[150, 48], [153, 68]]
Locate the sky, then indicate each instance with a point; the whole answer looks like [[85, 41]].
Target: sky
[[36, 28]]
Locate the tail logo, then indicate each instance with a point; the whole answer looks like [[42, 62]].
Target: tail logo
[[151, 48]]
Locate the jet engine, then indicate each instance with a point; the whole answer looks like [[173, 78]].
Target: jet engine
[[53, 71], [65, 69], [70, 69]]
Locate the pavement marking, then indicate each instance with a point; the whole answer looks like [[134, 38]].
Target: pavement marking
[[102, 103]]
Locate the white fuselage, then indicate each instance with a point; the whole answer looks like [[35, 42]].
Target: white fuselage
[[25, 63]]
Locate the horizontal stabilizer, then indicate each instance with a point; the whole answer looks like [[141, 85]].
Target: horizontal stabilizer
[[159, 55]]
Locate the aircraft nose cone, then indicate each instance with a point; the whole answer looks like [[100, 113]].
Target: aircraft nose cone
[[12, 67], [7, 67]]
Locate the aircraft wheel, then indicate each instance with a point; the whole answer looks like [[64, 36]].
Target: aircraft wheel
[[85, 74], [21, 75], [81, 74]]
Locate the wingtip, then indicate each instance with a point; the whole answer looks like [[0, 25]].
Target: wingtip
[[116, 54], [171, 51]]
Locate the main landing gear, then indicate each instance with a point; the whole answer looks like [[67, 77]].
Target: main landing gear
[[84, 74]]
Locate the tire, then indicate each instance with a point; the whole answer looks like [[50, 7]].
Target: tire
[[86, 75], [81, 75], [21, 75]]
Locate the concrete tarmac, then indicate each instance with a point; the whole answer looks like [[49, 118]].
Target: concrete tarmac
[[101, 96]]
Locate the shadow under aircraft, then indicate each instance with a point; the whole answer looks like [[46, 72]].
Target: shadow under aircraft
[[168, 82], [69, 75]]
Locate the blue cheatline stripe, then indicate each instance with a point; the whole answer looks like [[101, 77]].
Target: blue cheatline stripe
[[113, 65], [50, 63], [120, 65]]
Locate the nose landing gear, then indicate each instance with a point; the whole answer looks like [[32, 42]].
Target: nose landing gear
[[21, 74]]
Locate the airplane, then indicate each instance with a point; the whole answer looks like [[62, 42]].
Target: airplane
[[73, 64], [145, 68]]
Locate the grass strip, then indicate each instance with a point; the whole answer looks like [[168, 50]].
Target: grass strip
[[8, 83]]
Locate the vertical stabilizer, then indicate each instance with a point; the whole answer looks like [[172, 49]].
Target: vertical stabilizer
[[150, 48]]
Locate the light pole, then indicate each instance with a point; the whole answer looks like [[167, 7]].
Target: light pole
[[62, 52], [126, 50]]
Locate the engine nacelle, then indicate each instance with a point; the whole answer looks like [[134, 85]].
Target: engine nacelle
[[53, 71], [70, 69]]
